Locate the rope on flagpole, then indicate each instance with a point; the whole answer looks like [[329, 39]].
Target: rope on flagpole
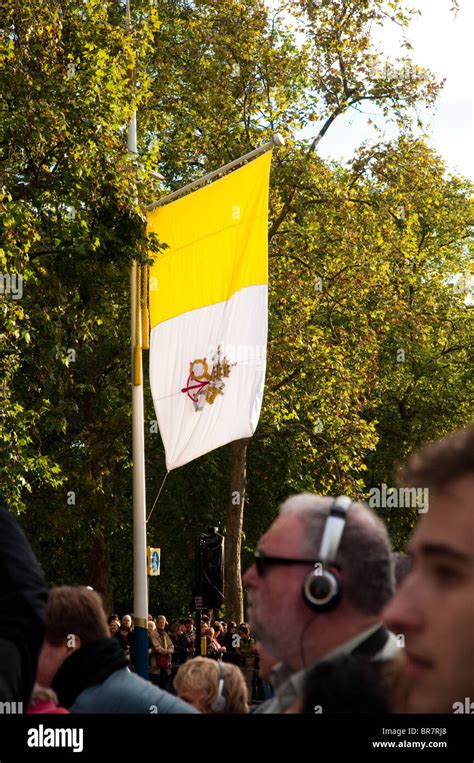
[[159, 493]]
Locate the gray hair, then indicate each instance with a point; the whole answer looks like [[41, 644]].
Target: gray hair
[[364, 555]]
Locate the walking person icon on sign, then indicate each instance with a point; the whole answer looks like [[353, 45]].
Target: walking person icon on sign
[[154, 561]]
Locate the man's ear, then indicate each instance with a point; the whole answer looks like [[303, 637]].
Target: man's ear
[[73, 642]]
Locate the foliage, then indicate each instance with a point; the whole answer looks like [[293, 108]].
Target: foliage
[[362, 260]]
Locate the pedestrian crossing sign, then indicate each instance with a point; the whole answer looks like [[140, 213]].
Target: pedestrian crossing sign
[[154, 561]]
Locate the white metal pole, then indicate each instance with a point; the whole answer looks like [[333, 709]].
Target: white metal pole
[[140, 579]]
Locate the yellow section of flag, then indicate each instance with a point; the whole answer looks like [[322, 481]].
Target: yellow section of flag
[[217, 239]]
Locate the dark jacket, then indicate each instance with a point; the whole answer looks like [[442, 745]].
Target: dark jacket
[[96, 679], [23, 600], [375, 643], [185, 645], [127, 643]]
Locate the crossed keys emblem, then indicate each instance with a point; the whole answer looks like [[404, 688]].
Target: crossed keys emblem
[[204, 384]]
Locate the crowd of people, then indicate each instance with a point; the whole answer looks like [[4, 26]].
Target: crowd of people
[[337, 622], [172, 645]]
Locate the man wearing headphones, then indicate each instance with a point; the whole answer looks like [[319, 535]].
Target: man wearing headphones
[[325, 564]]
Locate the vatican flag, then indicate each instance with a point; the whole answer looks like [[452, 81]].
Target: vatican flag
[[208, 297]]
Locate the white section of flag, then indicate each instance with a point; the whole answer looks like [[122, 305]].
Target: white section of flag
[[239, 327]]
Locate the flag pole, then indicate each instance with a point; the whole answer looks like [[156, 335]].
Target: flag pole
[[277, 140], [140, 576]]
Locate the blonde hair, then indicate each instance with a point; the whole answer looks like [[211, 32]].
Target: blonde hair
[[202, 675], [41, 693]]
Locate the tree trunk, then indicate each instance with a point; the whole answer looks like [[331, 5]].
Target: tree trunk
[[99, 571], [235, 517]]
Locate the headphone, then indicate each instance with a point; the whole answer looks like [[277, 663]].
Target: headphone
[[322, 589], [218, 704]]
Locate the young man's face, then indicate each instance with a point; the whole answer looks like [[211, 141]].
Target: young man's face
[[434, 608]]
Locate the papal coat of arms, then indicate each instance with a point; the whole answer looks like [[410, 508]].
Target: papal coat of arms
[[205, 383]]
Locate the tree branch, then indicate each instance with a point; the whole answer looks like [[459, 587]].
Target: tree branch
[[285, 380]]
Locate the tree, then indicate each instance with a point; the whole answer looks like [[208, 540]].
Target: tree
[[233, 92], [213, 79], [367, 274], [69, 227]]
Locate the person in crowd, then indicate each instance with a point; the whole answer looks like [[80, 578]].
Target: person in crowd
[[174, 630], [434, 607], [161, 650], [229, 641], [212, 687], [322, 575], [86, 668], [23, 597], [45, 701], [114, 626], [214, 650], [265, 664], [126, 638], [151, 626], [185, 642], [222, 632], [246, 649]]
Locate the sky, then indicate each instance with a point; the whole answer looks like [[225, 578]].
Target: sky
[[443, 43]]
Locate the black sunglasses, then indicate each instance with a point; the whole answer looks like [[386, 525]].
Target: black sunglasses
[[262, 562]]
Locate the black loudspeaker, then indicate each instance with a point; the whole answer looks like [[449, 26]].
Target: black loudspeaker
[[212, 569], [322, 587]]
